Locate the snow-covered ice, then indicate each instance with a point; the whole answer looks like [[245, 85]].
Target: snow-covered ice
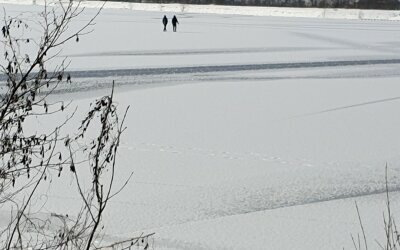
[[245, 131]]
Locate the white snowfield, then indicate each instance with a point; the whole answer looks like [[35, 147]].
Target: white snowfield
[[245, 132], [393, 15]]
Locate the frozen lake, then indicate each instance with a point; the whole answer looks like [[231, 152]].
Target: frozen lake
[[245, 132]]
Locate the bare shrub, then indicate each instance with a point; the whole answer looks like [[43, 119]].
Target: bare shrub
[[392, 236], [29, 159]]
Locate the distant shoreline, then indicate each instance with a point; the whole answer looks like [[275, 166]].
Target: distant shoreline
[[328, 13], [343, 4]]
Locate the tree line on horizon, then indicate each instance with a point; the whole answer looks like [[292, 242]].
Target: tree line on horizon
[[353, 4]]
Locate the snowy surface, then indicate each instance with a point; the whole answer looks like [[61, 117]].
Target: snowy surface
[[245, 132]]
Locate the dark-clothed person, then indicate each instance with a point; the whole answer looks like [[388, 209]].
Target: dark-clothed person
[[165, 22], [174, 23]]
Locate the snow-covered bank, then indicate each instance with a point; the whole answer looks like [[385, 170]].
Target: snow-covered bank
[[355, 14]]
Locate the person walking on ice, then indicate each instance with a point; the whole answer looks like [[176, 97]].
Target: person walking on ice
[[174, 22], [165, 22]]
